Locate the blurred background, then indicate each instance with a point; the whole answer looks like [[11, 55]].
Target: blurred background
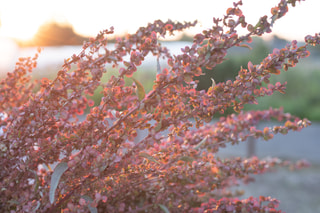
[[60, 28]]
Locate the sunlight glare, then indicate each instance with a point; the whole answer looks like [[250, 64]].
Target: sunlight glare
[[20, 19], [21, 22], [23, 33]]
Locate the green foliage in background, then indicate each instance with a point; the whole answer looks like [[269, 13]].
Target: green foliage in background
[[237, 57], [302, 96], [299, 100]]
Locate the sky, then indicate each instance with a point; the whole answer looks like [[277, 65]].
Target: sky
[[21, 18]]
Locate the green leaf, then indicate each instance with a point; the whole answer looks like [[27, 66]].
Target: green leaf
[[164, 208], [36, 185], [55, 178], [149, 157], [201, 142], [89, 200], [159, 125], [140, 89], [187, 159], [37, 207], [273, 19], [213, 83], [36, 178]]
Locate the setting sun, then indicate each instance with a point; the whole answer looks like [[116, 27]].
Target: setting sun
[[21, 33]]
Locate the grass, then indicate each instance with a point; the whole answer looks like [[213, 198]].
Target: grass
[[302, 96]]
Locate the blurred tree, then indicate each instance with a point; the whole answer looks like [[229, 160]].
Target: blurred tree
[[237, 57], [54, 34]]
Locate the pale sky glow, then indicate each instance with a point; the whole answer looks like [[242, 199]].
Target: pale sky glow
[[21, 18]]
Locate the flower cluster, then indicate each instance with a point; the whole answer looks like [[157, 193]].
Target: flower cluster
[[52, 161]]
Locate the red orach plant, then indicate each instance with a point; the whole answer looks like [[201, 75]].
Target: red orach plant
[[98, 165]]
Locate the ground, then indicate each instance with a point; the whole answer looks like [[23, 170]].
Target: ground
[[298, 191]]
